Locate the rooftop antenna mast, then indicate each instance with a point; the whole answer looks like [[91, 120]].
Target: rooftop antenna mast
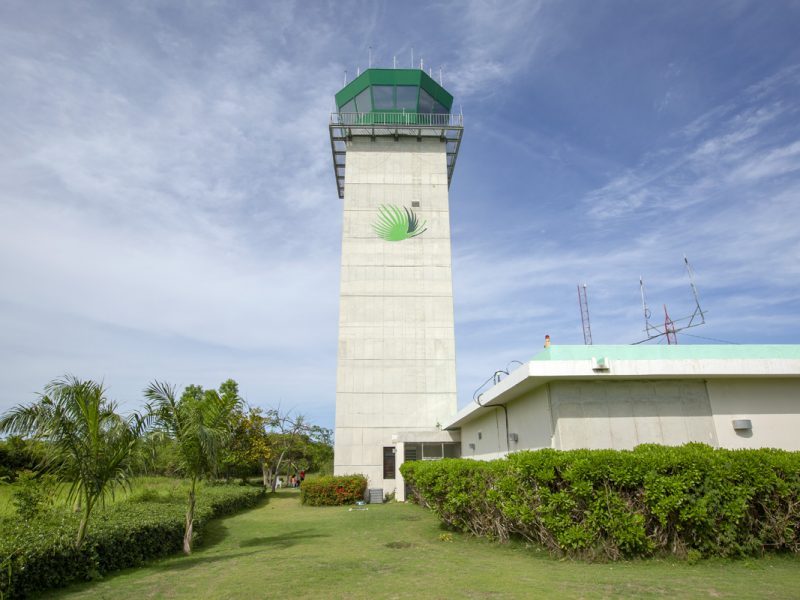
[[649, 329], [670, 329], [584, 303], [698, 312], [370, 57]]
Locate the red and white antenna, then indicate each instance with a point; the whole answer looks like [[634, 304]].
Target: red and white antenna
[[670, 328]]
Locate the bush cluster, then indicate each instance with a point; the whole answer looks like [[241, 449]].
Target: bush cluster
[[691, 500], [40, 554], [333, 490], [17, 454]]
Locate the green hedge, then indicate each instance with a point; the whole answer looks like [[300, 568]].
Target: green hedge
[[333, 490], [40, 554], [691, 500]]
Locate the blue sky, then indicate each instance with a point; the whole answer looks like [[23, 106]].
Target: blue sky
[[168, 208]]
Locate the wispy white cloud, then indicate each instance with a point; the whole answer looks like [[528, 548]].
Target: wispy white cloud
[[494, 41]]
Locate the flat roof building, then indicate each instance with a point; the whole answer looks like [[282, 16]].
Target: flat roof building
[[617, 397]]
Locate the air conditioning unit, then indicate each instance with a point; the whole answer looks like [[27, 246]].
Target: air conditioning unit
[[601, 363]]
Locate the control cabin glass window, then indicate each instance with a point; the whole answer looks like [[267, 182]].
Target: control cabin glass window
[[426, 102], [388, 462], [439, 109], [407, 97], [364, 102], [383, 96], [349, 107]]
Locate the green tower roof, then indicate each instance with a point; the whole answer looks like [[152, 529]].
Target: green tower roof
[[394, 90]]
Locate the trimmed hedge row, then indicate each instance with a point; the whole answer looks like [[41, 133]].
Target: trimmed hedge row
[[333, 490], [40, 554], [690, 500]]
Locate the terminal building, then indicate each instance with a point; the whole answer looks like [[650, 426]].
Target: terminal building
[[395, 141]]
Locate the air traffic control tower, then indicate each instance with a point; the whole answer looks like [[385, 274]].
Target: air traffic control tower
[[395, 144]]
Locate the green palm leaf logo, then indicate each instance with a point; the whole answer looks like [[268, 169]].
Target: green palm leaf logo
[[395, 224]]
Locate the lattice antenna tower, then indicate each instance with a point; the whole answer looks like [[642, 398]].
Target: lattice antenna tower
[[584, 304], [670, 328]]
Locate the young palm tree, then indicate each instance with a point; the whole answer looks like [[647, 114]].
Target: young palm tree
[[200, 423], [89, 447]]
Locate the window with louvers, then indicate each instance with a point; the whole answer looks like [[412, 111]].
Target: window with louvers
[[388, 462]]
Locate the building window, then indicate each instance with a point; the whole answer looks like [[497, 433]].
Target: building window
[[383, 96], [426, 102], [388, 462], [364, 102], [452, 450], [431, 450], [350, 107], [407, 97]]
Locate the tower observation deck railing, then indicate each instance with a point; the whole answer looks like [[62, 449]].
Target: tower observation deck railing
[[397, 118], [448, 128]]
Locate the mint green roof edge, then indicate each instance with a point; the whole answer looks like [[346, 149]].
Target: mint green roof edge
[[693, 351], [375, 76]]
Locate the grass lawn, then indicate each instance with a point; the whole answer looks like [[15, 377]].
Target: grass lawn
[[142, 485], [282, 549], [6, 508]]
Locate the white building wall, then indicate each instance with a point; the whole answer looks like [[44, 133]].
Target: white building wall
[[772, 405], [624, 414], [528, 417], [396, 357]]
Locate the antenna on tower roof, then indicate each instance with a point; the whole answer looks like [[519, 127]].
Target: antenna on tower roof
[[370, 57], [345, 77], [394, 61], [440, 77], [584, 303], [421, 66], [669, 329], [697, 310]]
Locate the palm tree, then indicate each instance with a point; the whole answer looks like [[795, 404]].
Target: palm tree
[[88, 445], [200, 424]]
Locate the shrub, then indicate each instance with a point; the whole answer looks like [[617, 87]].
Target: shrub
[[333, 490], [41, 554], [33, 494], [688, 501]]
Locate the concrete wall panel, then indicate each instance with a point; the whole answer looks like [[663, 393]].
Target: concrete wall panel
[[624, 414], [772, 405]]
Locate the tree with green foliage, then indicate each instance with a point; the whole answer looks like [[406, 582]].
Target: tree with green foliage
[[296, 443], [201, 423], [249, 447], [87, 446], [19, 454]]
